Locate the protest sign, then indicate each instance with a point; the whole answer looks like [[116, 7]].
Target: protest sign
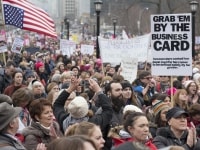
[[3, 48], [67, 47], [171, 44], [17, 45], [112, 50], [129, 68], [32, 50], [87, 49]]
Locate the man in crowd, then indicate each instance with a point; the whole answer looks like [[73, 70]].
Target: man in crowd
[[6, 75]]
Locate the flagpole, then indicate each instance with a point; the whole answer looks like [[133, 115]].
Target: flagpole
[[3, 27]]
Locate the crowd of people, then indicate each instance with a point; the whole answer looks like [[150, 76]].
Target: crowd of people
[[51, 102]]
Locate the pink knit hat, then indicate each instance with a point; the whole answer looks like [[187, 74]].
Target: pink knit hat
[[171, 91], [38, 65]]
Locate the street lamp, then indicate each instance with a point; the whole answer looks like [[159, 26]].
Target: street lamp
[[114, 25], [83, 30], [66, 20], [98, 5], [139, 21], [193, 6], [61, 31]]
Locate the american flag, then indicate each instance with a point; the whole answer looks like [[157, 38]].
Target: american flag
[[25, 15]]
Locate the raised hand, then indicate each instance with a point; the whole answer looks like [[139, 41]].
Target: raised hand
[[191, 138], [41, 146], [94, 85], [73, 84]]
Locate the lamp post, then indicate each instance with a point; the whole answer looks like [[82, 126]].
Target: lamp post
[[193, 6], [83, 30], [139, 20], [61, 31], [114, 25], [66, 20], [98, 5]]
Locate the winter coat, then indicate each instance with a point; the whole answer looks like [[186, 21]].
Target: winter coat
[[9, 90], [103, 119], [9, 143], [35, 134], [131, 146], [5, 80], [165, 137]]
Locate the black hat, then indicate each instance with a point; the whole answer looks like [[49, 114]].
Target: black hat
[[126, 84], [175, 112]]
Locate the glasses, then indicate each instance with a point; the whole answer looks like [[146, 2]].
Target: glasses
[[56, 88], [148, 78], [193, 86]]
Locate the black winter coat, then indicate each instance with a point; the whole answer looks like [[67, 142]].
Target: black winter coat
[[103, 119], [165, 137]]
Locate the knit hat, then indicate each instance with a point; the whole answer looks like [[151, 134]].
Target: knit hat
[[175, 112], [131, 108], [126, 84], [187, 83], [29, 73], [38, 65], [159, 106], [171, 91], [196, 77], [195, 70], [78, 107]]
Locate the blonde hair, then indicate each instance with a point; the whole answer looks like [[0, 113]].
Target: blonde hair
[[176, 100], [66, 75], [82, 128]]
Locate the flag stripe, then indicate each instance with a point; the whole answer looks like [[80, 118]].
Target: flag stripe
[[29, 11], [34, 18]]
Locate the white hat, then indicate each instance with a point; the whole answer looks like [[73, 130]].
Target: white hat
[[195, 70], [188, 82], [78, 107], [196, 77], [131, 108]]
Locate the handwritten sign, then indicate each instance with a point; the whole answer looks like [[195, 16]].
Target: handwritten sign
[[67, 47], [87, 49], [112, 50], [17, 45], [129, 68]]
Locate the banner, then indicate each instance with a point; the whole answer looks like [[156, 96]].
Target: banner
[[67, 47], [112, 50], [87, 49], [17, 45], [3, 48], [171, 44], [129, 68]]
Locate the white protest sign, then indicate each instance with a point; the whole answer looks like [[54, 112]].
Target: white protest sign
[[67, 47], [2, 38], [171, 44], [3, 48], [87, 49], [17, 45], [111, 50], [129, 68]]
